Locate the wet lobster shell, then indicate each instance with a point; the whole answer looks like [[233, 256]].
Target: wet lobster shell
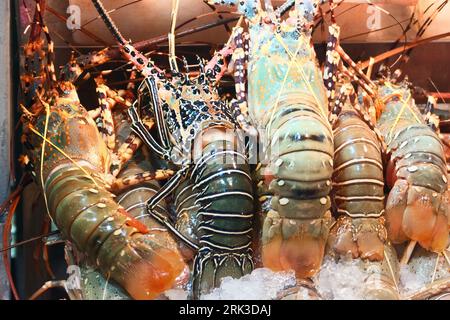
[[145, 262], [287, 102], [358, 189], [418, 203]]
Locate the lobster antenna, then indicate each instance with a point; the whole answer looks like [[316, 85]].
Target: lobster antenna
[[285, 7], [369, 2], [332, 7], [171, 36], [108, 21], [214, 11], [115, 9], [21, 243]]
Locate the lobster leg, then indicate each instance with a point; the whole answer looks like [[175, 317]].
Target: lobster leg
[[123, 183], [139, 128], [338, 104], [160, 124], [165, 191], [125, 153], [115, 98], [107, 99], [331, 65], [108, 131], [50, 45], [240, 60], [46, 286], [430, 118]]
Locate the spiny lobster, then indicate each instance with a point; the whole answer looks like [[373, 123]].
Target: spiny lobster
[[358, 182], [198, 132], [417, 208], [401, 161], [73, 166], [287, 102]]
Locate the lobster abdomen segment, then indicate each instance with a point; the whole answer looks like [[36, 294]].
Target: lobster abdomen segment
[[358, 175], [358, 190], [224, 195], [145, 262], [418, 204], [297, 181]]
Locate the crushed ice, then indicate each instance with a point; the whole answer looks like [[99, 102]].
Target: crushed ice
[[337, 280], [418, 274], [177, 294], [340, 280], [261, 284]]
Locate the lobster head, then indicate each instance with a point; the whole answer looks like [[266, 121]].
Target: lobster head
[[184, 108], [63, 132]]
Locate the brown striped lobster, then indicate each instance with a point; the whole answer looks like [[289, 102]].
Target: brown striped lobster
[[362, 230], [418, 207], [358, 181], [75, 167]]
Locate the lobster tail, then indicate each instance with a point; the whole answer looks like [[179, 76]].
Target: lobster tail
[[358, 199], [144, 261], [358, 190], [297, 183], [224, 196], [418, 204], [139, 259]]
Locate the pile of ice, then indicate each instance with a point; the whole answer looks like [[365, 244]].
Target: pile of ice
[[176, 294], [336, 280], [343, 279], [411, 282], [340, 280], [418, 274], [261, 284]]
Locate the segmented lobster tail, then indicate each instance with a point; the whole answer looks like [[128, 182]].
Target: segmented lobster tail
[[358, 189], [418, 204], [124, 249], [297, 181], [287, 103], [358, 199], [224, 196], [143, 261]]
